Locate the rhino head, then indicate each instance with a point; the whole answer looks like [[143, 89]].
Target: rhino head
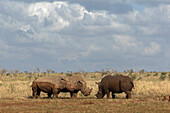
[[100, 93], [83, 88]]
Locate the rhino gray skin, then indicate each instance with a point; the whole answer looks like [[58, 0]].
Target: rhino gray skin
[[115, 84], [55, 85], [74, 84]]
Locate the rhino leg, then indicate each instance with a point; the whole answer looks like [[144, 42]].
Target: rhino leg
[[113, 95], [55, 93], [73, 94], [108, 93], [128, 94], [34, 90], [49, 95], [34, 94], [38, 94]]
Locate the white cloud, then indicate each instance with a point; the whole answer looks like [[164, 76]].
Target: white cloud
[[126, 43], [90, 49], [132, 46], [153, 49]]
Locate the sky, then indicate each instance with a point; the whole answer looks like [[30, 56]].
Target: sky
[[89, 35]]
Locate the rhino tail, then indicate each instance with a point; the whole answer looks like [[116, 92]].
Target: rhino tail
[[34, 82]]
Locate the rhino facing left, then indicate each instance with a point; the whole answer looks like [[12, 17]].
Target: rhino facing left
[[50, 85]]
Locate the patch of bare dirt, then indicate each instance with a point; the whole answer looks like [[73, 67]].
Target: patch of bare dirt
[[86, 103], [22, 103]]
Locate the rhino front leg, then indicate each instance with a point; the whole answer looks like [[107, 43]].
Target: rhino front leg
[[73, 94], [55, 93], [128, 94], [38, 94], [49, 95], [108, 93], [113, 95]]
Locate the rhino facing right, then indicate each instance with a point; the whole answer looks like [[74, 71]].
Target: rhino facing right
[[55, 85]]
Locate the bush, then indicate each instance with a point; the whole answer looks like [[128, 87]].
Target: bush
[[169, 75], [133, 77], [93, 76], [69, 74], [140, 78], [148, 75], [163, 73], [162, 77], [156, 74]]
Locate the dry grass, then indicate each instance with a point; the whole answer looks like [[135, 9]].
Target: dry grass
[[147, 93]]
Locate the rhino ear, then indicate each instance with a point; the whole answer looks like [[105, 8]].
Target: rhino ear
[[98, 83], [63, 79], [79, 82]]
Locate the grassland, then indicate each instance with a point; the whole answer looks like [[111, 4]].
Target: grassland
[[16, 95]]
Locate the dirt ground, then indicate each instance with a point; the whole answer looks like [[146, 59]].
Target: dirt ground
[[83, 105]]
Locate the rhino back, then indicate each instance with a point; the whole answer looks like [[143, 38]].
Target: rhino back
[[75, 78], [53, 80]]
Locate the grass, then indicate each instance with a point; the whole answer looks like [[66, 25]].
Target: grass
[[16, 93]]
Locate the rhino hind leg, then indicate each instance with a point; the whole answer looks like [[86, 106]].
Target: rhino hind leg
[[38, 94], [34, 93]]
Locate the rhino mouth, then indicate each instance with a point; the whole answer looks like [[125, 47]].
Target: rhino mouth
[[86, 92], [99, 95]]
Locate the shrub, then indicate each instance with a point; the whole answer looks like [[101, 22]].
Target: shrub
[[93, 76], [140, 78], [162, 77], [163, 73], [141, 71], [169, 75], [148, 75], [156, 74], [133, 77], [68, 74]]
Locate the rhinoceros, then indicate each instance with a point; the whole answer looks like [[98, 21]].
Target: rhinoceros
[[55, 85], [114, 84], [74, 84], [50, 85]]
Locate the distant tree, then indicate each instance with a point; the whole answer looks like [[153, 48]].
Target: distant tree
[[141, 71], [131, 71]]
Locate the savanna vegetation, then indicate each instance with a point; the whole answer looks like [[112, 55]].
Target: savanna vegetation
[[150, 87]]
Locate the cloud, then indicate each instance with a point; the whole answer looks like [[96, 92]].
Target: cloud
[[59, 32], [132, 46], [90, 49], [150, 2], [154, 48]]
